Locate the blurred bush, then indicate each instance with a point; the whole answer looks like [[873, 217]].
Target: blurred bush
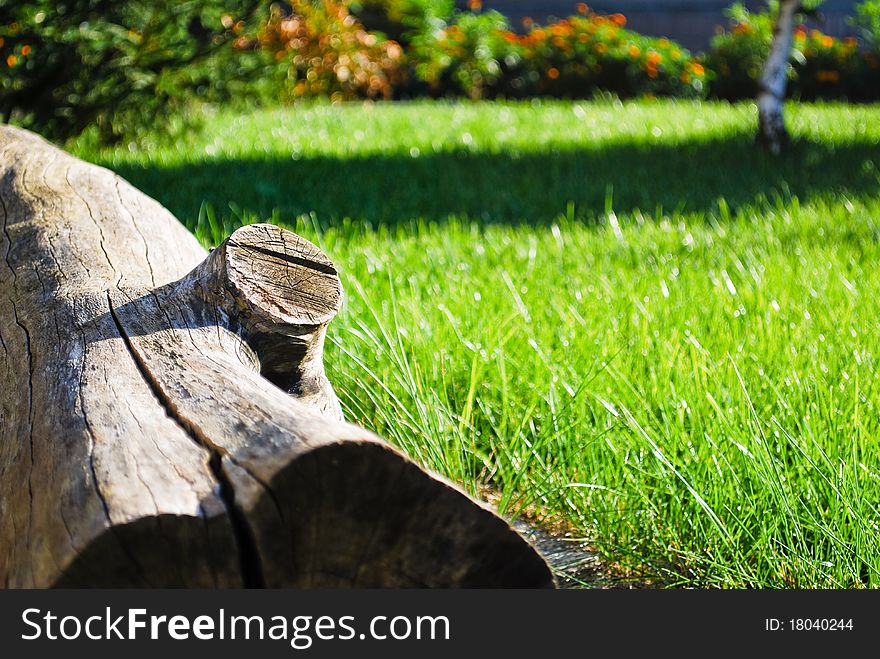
[[320, 49], [474, 55], [829, 68], [400, 20], [479, 55], [822, 67], [737, 56], [867, 20], [580, 55], [118, 65]]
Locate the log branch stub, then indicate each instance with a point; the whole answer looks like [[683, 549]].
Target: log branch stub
[[278, 291]]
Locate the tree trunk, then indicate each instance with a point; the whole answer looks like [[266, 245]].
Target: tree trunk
[[165, 419], [774, 80]]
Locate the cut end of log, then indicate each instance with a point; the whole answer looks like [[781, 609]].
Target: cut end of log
[[282, 277], [357, 514]]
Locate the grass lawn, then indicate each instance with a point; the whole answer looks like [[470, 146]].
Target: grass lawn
[[623, 320]]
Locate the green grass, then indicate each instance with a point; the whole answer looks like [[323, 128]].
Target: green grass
[[624, 319]]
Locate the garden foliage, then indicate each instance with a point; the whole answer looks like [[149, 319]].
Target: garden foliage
[[125, 64], [119, 65], [480, 55], [401, 20], [867, 20], [320, 49], [822, 66]]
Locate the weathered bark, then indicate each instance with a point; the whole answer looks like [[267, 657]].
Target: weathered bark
[[165, 419], [774, 80]]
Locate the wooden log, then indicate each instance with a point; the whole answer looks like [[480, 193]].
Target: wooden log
[[165, 418]]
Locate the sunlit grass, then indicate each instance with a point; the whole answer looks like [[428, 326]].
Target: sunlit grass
[[624, 320]]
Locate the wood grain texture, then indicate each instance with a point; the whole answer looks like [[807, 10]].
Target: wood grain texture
[[166, 419], [90, 462]]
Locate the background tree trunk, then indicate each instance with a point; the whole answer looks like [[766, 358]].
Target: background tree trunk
[[165, 419], [774, 80]]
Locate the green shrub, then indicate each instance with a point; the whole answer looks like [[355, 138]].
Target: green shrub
[[120, 65], [736, 57], [473, 56], [401, 19], [867, 20]]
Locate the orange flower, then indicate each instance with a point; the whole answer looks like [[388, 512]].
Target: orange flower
[[2, 41], [25, 50], [582, 8], [654, 58], [828, 76], [697, 69], [618, 19], [553, 73], [634, 51], [11, 61], [827, 41], [475, 5]]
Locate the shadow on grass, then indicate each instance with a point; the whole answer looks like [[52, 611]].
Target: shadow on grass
[[506, 187]]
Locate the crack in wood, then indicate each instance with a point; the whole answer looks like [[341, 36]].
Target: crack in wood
[[249, 558], [30, 363], [289, 258]]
